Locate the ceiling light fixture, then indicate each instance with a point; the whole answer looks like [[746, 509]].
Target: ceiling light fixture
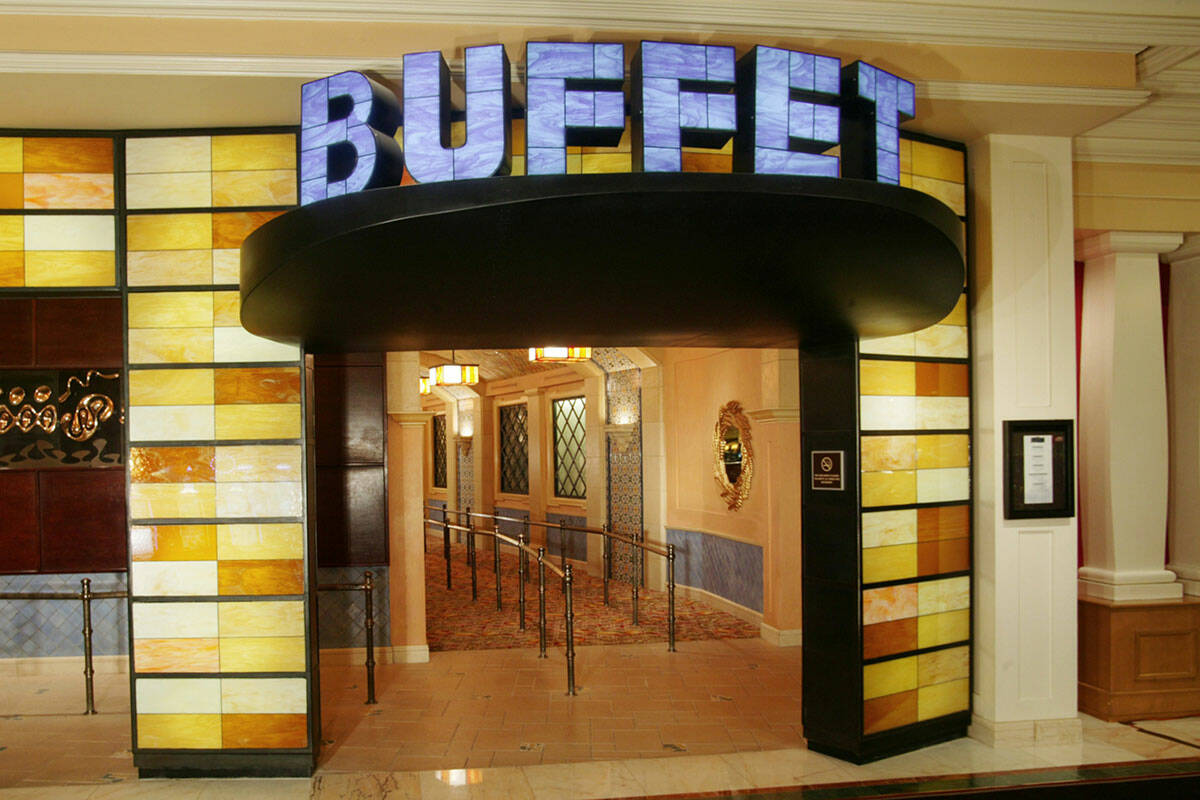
[[454, 374], [551, 354]]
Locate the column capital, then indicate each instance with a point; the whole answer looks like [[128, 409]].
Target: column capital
[[1188, 254], [1126, 242]]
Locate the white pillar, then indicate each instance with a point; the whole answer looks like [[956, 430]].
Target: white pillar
[[1183, 392], [1123, 419], [1023, 317]]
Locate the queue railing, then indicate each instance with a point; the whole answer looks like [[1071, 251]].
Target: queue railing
[[367, 587]]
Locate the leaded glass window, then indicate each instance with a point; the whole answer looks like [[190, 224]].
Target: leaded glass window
[[569, 457], [439, 451], [514, 449]]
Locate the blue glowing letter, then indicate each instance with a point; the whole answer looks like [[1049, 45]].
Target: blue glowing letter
[[787, 102], [488, 148], [874, 103], [681, 96], [346, 126], [563, 106]]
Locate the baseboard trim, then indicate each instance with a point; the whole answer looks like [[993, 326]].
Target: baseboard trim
[[1026, 733], [720, 603], [788, 637], [63, 665], [357, 656]]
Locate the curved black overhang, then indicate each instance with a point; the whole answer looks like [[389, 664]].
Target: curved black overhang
[[651, 259]]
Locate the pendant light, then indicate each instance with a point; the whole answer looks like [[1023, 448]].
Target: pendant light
[[454, 374], [553, 354]]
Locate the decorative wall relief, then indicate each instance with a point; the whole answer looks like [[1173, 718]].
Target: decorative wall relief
[[733, 455], [67, 418]]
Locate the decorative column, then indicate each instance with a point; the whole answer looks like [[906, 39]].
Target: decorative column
[[1183, 395], [1123, 419]]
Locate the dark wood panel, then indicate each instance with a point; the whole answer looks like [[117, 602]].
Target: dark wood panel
[[83, 520], [79, 332], [18, 522], [16, 332], [349, 402], [351, 516]]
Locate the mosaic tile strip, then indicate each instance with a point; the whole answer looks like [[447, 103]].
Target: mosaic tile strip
[[724, 567], [52, 628]]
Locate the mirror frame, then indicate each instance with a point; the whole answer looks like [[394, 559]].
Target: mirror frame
[[734, 494]]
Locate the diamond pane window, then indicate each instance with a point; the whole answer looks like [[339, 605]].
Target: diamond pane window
[[439, 451], [514, 449], [569, 458]]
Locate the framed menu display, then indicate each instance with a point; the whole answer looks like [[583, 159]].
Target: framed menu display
[[1039, 469]]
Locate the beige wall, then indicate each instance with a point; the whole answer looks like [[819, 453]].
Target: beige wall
[[1137, 197]]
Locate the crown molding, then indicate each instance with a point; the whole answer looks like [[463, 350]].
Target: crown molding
[[1071, 25], [1045, 95], [1153, 60], [1175, 82], [1101, 149], [1126, 243]]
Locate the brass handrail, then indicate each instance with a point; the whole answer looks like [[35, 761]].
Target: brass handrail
[[367, 587], [87, 596]]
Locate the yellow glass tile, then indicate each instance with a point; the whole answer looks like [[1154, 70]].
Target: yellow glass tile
[[11, 154], [262, 463], [179, 731], [939, 629], [68, 190], [933, 161], [943, 450], [173, 578], [70, 268], [169, 190], [959, 315], [178, 695], [254, 151], [172, 501], [893, 488], [170, 309], [12, 269], [238, 344], [70, 232], [952, 194], [264, 695], [946, 413], [888, 452], [226, 266], [948, 594], [168, 154], [881, 413], [518, 166], [173, 542], [889, 563], [253, 421], [943, 698], [170, 423], [902, 345], [170, 346], [882, 528], [12, 233], [887, 377], [227, 309], [169, 232], [179, 620], [942, 341], [260, 499], [906, 180], [266, 618], [607, 162], [260, 542], [574, 163], [906, 155], [169, 268], [943, 665], [889, 677], [257, 188], [170, 387], [943, 485], [263, 654]]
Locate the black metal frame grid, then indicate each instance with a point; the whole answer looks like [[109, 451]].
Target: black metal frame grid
[[514, 449], [570, 458], [439, 451]]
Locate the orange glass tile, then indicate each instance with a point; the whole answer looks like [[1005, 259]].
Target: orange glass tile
[[258, 385], [231, 229], [706, 162], [943, 555], [176, 655], [889, 638], [51, 154], [943, 451], [68, 190], [943, 522], [892, 711], [173, 542], [227, 309], [172, 464], [268, 576], [889, 603], [12, 190], [264, 730], [12, 269], [942, 380], [254, 151]]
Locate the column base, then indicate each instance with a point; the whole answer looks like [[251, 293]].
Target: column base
[[1026, 733], [1189, 577], [1159, 584], [1139, 660]]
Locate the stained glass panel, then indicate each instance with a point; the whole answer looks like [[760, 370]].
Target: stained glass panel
[[569, 457], [514, 449]]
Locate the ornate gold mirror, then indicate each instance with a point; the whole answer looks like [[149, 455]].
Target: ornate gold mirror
[[733, 454]]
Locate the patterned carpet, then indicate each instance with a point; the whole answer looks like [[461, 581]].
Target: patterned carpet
[[456, 623]]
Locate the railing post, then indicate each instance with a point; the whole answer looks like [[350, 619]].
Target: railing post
[[496, 529], [527, 541], [496, 566], [468, 541], [471, 557], [569, 614], [446, 544], [521, 568], [89, 689], [606, 569], [671, 598], [635, 578], [541, 551], [562, 543], [369, 625]]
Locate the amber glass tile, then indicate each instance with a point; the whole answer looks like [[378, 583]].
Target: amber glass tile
[[10, 154], [889, 488], [70, 268], [943, 555], [886, 377], [951, 193], [942, 341], [947, 594], [168, 154], [267, 541], [889, 638], [172, 464], [12, 269], [170, 345], [76, 190], [934, 161], [892, 563], [958, 316], [258, 385], [176, 655], [12, 233], [941, 666], [263, 654], [255, 188], [259, 463], [173, 542], [12, 190], [168, 190], [905, 155], [889, 603], [169, 267], [943, 698], [170, 309], [227, 309], [890, 711], [230, 228], [253, 151], [943, 522], [942, 380], [264, 731], [888, 453], [68, 154], [946, 628], [172, 500], [941, 451], [170, 387], [889, 677], [595, 163], [266, 576], [706, 162], [273, 421], [169, 232], [266, 618], [882, 528], [179, 731]]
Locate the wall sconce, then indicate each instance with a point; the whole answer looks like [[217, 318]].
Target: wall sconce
[[425, 386]]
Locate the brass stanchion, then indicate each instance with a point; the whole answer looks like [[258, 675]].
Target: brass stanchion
[[446, 545], [635, 578], [671, 598], [521, 570], [541, 551], [569, 615], [524, 555], [471, 558], [369, 624], [562, 543], [88, 672], [496, 566], [606, 569]]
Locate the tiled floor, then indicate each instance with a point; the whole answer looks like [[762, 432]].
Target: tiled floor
[[497, 724]]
